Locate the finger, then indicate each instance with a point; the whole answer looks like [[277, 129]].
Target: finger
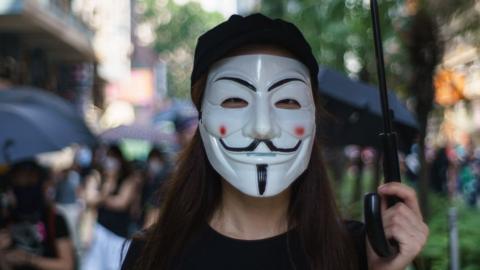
[[395, 215], [403, 192], [401, 214], [410, 241]]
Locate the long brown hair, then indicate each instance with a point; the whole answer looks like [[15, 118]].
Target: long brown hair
[[194, 193]]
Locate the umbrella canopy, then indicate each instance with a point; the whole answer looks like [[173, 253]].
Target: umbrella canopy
[[33, 121], [138, 132], [355, 111]]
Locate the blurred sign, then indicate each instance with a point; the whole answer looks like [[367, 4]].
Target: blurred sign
[[138, 89], [117, 113], [449, 87]]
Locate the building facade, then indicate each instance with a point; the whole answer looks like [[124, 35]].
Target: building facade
[[45, 45]]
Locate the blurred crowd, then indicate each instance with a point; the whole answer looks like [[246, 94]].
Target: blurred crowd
[[453, 169], [455, 172], [80, 217]]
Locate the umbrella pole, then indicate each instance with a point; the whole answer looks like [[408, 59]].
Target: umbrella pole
[[391, 168], [391, 164]]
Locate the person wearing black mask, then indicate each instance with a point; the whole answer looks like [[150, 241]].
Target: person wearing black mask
[[157, 171], [37, 237]]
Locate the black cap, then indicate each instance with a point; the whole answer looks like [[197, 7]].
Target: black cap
[[240, 31]]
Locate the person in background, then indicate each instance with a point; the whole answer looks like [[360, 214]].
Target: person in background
[[112, 201], [468, 174], [36, 236], [157, 171], [185, 127], [67, 192], [439, 172]]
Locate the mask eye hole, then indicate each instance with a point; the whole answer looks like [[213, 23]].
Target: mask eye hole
[[289, 104], [234, 103]]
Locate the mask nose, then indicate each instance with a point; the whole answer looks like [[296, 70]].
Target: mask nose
[[262, 125]]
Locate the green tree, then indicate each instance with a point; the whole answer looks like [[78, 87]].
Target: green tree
[[341, 36], [177, 28]]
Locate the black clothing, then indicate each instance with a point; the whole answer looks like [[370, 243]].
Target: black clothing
[[439, 170], [153, 184], [39, 238], [118, 222], [212, 250], [115, 221]]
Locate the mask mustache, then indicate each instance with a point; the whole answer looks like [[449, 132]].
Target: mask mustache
[[253, 145]]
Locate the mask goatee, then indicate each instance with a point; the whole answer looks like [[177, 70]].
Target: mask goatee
[[262, 177]]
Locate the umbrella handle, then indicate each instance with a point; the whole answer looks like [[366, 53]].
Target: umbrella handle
[[374, 227]]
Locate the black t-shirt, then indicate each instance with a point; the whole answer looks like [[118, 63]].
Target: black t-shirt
[[116, 221], [39, 238], [212, 250]]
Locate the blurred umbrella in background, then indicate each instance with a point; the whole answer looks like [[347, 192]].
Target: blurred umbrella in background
[[137, 131], [136, 140], [355, 113], [33, 121], [177, 112], [183, 117]]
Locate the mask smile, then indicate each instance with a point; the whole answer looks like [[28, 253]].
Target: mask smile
[[253, 145], [261, 154]]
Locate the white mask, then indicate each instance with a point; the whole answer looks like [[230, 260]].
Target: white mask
[[258, 122]]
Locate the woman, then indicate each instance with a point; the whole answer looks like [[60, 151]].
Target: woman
[[112, 201], [262, 200]]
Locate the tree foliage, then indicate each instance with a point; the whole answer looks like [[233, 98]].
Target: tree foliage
[[177, 28], [437, 249], [341, 37]]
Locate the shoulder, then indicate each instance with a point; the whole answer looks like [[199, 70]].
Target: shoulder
[[61, 228], [55, 223], [356, 232], [355, 228], [134, 251]]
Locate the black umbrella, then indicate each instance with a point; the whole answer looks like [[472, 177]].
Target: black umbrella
[[356, 115], [33, 121]]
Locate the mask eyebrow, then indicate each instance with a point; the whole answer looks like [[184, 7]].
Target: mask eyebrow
[[239, 81], [284, 81]]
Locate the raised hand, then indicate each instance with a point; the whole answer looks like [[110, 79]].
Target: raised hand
[[402, 222]]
